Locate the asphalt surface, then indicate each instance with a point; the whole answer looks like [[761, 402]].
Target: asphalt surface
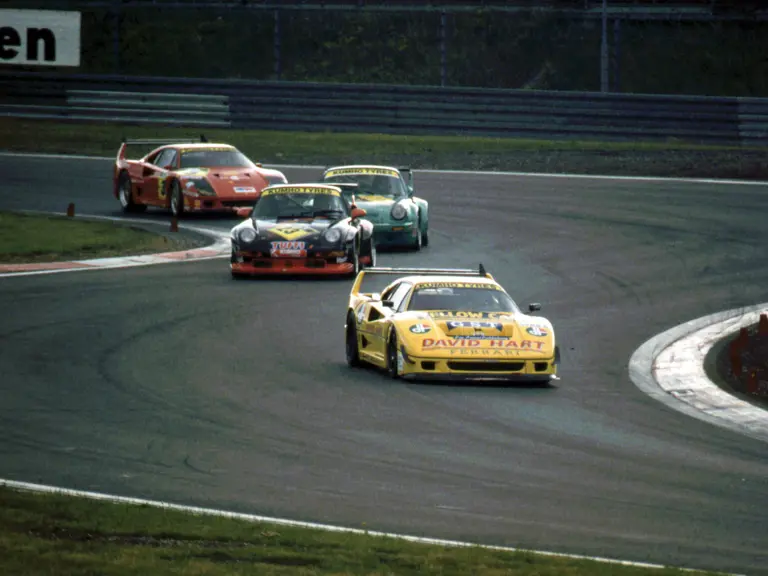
[[180, 384]]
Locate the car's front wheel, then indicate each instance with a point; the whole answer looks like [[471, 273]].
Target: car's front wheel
[[351, 349], [392, 354], [177, 199]]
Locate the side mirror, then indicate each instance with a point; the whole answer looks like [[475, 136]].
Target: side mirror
[[244, 212], [358, 212], [375, 296], [387, 303], [534, 307]]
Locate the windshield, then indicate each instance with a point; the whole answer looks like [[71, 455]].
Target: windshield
[[456, 298], [273, 206], [214, 158], [390, 187]]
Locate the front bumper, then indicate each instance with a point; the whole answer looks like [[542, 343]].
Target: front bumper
[[385, 234], [218, 204], [258, 263], [476, 368]]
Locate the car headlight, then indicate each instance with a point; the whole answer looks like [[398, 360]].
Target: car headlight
[[333, 235], [201, 186], [247, 235], [398, 211]]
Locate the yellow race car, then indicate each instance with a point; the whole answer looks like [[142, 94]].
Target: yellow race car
[[448, 324]]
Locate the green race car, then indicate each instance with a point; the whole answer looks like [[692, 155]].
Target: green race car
[[386, 194]]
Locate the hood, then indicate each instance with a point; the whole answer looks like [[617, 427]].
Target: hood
[[228, 181], [378, 208], [449, 334], [292, 229]]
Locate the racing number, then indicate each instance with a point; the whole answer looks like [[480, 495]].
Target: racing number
[[161, 193]]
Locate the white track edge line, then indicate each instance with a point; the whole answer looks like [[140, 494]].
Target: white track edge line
[[467, 172], [707, 401], [221, 241], [30, 487]]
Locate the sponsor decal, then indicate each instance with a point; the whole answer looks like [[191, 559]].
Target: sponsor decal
[[458, 285], [539, 331], [360, 171], [288, 250], [453, 324], [40, 37], [479, 337], [360, 314], [244, 189], [291, 232], [490, 346], [420, 328], [461, 314], [301, 190]]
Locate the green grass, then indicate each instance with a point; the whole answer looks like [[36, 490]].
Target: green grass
[[671, 158], [64, 535], [33, 238]]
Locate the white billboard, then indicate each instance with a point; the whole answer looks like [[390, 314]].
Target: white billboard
[[39, 37]]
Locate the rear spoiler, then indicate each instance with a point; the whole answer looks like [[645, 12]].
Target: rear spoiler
[[481, 272], [124, 142]]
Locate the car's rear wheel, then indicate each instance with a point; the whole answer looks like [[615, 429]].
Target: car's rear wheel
[[392, 370], [125, 195], [350, 345], [425, 238], [177, 199]]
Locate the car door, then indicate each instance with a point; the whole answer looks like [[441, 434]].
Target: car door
[[155, 175], [376, 325]]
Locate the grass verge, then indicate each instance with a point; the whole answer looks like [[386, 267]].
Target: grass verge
[[65, 535], [670, 158], [33, 238]]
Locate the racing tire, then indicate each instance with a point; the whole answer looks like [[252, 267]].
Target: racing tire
[[392, 354], [351, 350], [238, 275], [425, 238], [125, 196], [176, 203], [419, 240], [370, 251], [354, 258]]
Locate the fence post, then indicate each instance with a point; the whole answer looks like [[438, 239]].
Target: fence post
[[278, 65], [616, 52], [116, 17], [604, 50], [443, 48]]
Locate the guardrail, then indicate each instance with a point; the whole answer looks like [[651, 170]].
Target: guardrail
[[384, 108]]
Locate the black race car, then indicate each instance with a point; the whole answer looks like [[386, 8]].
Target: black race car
[[302, 229]]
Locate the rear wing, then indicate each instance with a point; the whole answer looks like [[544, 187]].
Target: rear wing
[[125, 142], [408, 175], [479, 272]]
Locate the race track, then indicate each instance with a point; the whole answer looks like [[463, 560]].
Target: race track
[[176, 383]]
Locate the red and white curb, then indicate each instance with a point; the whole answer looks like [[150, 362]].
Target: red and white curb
[[670, 368], [29, 487], [219, 248]]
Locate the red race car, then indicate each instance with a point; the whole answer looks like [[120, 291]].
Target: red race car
[[189, 176]]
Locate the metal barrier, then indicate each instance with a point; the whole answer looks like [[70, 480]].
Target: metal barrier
[[385, 108]]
